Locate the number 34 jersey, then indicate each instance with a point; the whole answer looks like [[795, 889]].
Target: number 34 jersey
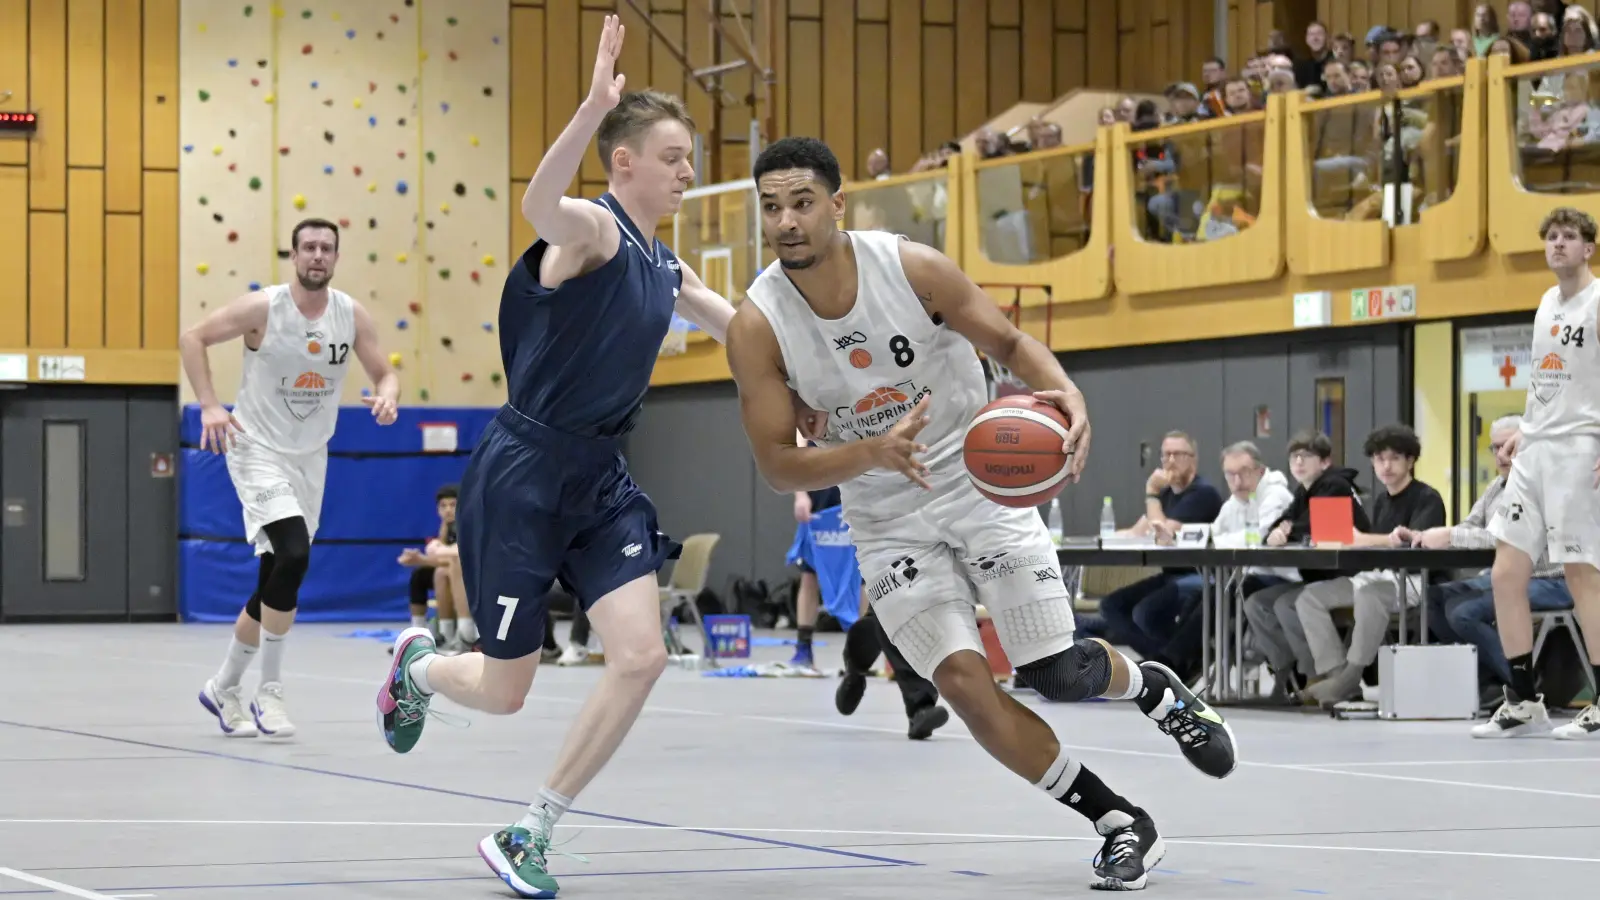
[[868, 368], [1564, 386], [289, 392]]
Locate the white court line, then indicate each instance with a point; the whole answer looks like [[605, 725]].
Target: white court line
[[1254, 845], [1449, 762], [56, 886], [849, 726]]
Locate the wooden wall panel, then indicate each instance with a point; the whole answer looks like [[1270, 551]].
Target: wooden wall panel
[[124, 128], [839, 85], [124, 286], [86, 230], [872, 108], [160, 260], [14, 75], [972, 67], [527, 92], [905, 85], [161, 85], [47, 89], [86, 83], [47, 279], [14, 235]]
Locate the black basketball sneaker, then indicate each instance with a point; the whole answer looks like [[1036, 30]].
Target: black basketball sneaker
[[1132, 848], [1202, 734]]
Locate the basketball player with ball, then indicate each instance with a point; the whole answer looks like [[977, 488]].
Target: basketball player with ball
[[299, 340], [904, 394]]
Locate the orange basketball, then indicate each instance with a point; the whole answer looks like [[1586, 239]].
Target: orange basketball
[[1013, 451]]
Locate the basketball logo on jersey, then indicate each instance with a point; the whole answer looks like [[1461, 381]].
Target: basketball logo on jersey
[[306, 395], [877, 411], [313, 343], [1549, 377]]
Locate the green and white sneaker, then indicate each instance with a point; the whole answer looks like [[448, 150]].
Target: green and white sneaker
[[1202, 734], [402, 709], [520, 857]]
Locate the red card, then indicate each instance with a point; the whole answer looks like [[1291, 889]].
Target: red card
[[1332, 521]]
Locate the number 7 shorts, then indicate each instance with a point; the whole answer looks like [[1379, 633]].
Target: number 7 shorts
[[926, 572], [535, 505]]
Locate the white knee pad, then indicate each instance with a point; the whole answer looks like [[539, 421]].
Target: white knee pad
[[926, 608], [1026, 598]]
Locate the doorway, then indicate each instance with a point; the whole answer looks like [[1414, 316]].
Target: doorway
[[87, 503]]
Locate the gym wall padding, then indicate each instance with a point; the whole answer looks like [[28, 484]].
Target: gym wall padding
[[379, 500]]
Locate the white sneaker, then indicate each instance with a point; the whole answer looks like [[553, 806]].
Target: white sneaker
[[271, 715], [1526, 719], [227, 705], [1585, 726], [574, 655]]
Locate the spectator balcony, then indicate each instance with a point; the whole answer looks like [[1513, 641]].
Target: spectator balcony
[[1210, 229]]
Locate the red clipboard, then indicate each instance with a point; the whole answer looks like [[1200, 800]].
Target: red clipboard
[[1332, 521]]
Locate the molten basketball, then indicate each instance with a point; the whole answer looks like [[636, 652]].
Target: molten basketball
[[1013, 451]]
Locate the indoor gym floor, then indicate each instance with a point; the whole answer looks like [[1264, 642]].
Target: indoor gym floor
[[115, 783]]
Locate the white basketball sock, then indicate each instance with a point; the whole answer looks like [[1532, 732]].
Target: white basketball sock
[[271, 657], [544, 812], [467, 629], [419, 672], [235, 663]]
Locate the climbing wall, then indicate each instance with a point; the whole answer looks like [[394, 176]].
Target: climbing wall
[[386, 116]]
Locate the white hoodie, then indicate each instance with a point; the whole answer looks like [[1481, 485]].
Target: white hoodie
[[1273, 498]]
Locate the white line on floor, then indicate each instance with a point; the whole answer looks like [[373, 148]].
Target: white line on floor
[[1430, 763], [130, 896], [56, 886], [1254, 845], [950, 732]]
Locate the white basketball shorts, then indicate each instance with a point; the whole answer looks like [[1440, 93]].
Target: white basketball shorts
[[1550, 501], [926, 571], [273, 486]]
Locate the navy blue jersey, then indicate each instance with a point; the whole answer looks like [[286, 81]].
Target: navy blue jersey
[[578, 358]]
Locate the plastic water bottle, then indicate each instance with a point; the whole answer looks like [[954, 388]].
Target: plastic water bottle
[[1108, 520], [1252, 522], [1054, 521]]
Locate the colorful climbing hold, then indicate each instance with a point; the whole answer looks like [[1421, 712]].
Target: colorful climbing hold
[[394, 360], [261, 64], [400, 187], [216, 150], [372, 223], [350, 33], [372, 257], [429, 156], [379, 35], [249, 10], [372, 186], [444, 107], [488, 259], [313, 85], [488, 91], [283, 151], [299, 201], [204, 96], [327, 170], [373, 121], [415, 307], [474, 276], [399, 257], [233, 236], [356, 170], [344, 223], [444, 274], [233, 64], [460, 189], [489, 192], [233, 167], [423, 56], [356, 103], [466, 376], [372, 87], [444, 208], [402, 87], [453, 58], [306, 50], [255, 82], [255, 183], [401, 122], [305, 13], [402, 324], [327, 136], [402, 154], [450, 21], [201, 28], [216, 217], [254, 285], [488, 326], [202, 268], [423, 394], [446, 342], [269, 98], [494, 377], [472, 139]]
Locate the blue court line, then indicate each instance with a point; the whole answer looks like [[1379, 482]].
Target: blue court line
[[771, 842], [564, 877]]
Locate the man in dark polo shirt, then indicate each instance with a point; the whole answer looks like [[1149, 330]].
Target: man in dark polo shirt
[[1144, 614]]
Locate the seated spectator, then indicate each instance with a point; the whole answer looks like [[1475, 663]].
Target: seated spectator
[[1462, 612], [1404, 503], [1274, 622], [436, 566], [1144, 614], [1249, 480]]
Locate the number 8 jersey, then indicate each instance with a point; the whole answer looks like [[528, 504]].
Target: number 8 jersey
[[1564, 386], [869, 367], [290, 387]]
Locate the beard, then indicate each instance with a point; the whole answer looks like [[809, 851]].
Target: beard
[[313, 281], [805, 263]]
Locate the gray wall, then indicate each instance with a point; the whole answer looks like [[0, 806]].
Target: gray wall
[[689, 451]]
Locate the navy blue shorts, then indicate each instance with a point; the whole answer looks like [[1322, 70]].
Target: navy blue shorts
[[538, 504]]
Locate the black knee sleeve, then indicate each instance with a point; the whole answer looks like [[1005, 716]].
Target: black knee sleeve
[[421, 585], [252, 607], [291, 557], [1080, 672]]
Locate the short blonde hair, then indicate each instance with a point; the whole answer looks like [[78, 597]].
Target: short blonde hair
[[633, 116]]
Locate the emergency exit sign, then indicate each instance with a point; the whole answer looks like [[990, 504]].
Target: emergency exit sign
[[1393, 302]]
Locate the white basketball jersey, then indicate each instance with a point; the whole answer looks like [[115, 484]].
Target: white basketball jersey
[[1564, 386], [289, 393], [868, 368]]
